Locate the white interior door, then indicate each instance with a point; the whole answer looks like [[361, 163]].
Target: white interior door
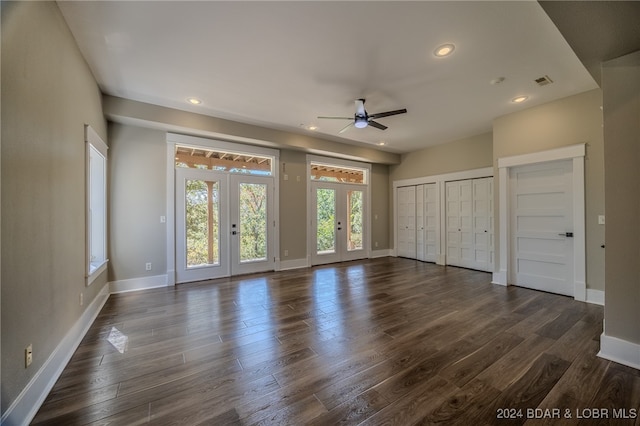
[[421, 232], [483, 223], [406, 196], [541, 210], [426, 222], [431, 223], [202, 237], [251, 224], [459, 198], [339, 216]]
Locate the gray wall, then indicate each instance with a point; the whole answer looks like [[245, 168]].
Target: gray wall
[[48, 94], [621, 88], [568, 121]]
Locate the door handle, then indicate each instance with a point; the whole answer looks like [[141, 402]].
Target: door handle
[[234, 232], [567, 234]]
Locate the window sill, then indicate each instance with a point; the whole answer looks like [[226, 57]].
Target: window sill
[[95, 269]]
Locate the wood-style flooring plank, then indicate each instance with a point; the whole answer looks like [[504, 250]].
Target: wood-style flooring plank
[[381, 341]]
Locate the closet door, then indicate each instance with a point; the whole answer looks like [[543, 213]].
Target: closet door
[[459, 223], [406, 197], [427, 222], [482, 224], [469, 225], [420, 223]]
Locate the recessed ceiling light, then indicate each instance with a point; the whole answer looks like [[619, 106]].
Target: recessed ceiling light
[[519, 99], [444, 50], [312, 127], [382, 143], [194, 101]]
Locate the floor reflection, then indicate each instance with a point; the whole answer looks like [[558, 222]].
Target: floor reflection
[[118, 340]]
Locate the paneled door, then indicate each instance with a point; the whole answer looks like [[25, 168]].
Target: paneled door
[[406, 196], [459, 225], [427, 222], [338, 222], [541, 209]]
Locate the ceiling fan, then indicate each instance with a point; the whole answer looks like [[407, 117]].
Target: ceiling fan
[[362, 119]]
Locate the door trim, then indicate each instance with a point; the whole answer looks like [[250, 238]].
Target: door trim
[[174, 139], [572, 152]]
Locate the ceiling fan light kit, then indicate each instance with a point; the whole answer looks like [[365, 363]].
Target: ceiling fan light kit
[[362, 119]]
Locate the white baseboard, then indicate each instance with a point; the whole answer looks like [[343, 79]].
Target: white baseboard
[[27, 404], [134, 284], [380, 253], [293, 264], [620, 351], [595, 296]]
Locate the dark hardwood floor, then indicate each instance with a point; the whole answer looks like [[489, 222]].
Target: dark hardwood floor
[[385, 341]]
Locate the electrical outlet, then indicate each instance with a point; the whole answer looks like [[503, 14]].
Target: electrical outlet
[[81, 299], [286, 253], [601, 219], [28, 356], [147, 266]]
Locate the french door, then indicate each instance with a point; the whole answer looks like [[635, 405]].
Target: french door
[[338, 222], [224, 224]]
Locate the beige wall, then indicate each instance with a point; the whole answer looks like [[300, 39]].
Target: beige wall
[[380, 220], [621, 88], [568, 121], [293, 205], [48, 94], [465, 154], [137, 160]]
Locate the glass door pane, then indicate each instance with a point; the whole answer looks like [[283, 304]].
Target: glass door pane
[[355, 216], [326, 221], [253, 222], [202, 213], [202, 235]]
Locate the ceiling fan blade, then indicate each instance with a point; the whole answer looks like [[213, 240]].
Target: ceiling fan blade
[[347, 127], [360, 108], [377, 125], [388, 113], [337, 118]]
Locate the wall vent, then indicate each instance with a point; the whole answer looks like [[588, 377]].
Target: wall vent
[[543, 81]]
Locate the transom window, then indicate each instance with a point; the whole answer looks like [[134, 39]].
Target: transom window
[[332, 173], [224, 161]]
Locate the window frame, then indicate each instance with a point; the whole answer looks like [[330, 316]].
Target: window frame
[[96, 202]]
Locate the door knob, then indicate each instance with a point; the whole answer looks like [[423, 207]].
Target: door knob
[[566, 234]]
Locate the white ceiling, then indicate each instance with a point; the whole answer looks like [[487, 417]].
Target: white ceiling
[[282, 64]]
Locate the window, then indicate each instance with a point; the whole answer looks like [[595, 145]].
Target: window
[[96, 226], [223, 161], [333, 173]]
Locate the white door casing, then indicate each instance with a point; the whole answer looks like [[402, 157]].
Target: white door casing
[[576, 154]]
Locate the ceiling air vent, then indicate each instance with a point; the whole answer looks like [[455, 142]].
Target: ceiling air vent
[[543, 81]]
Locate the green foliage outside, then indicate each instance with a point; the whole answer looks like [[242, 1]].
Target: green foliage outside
[[198, 232], [253, 222], [326, 220]]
